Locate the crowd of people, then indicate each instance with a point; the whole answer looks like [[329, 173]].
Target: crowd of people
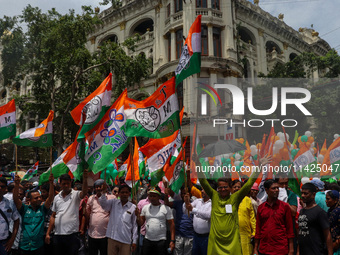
[[212, 217]]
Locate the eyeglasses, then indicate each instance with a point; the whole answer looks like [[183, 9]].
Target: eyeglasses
[[223, 187], [115, 191]]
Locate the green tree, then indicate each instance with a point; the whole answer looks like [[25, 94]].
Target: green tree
[[52, 51]]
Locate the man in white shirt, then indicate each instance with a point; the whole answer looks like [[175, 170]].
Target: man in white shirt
[[201, 209], [65, 217], [122, 230], [8, 214], [156, 216]]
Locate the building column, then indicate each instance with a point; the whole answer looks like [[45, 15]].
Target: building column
[[173, 44], [210, 39], [261, 52]]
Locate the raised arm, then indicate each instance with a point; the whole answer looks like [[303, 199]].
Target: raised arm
[[50, 198], [105, 203], [17, 201], [85, 186], [238, 196]]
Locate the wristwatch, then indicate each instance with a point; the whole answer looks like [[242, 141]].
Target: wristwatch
[[174, 241]]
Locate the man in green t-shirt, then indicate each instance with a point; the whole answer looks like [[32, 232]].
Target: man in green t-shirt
[[33, 217], [224, 236]]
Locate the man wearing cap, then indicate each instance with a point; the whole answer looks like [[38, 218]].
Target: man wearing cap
[[255, 202], [320, 197], [140, 206], [156, 216], [98, 220]]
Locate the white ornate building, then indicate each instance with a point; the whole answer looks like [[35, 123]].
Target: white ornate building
[[231, 30]]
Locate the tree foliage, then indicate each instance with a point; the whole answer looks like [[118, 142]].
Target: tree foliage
[[52, 52]]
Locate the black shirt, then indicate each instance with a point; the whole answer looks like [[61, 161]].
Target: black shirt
[[312, 223]]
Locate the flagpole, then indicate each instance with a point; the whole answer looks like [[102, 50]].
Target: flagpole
[[185, 174], [16, 159], [132, 167]]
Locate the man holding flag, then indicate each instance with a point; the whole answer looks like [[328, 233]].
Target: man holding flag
[[33, 218], [65, 216]]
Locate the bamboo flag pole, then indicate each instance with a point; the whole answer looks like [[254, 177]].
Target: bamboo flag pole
[[183, 158], [16, 159], [132, 167]]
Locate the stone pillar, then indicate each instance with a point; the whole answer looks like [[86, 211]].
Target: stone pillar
[[210, 39], [228, 33], [261, 52], [173, 44]]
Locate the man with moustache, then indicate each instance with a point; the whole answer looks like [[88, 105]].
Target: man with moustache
[[274, 226], [156, 216]]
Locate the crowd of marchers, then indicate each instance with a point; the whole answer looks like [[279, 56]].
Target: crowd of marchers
[[208, 217]]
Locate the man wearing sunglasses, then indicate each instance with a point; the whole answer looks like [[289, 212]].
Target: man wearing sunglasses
[[224, 232], [8, 213]]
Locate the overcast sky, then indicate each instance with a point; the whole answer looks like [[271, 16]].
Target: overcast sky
[[323, 14]]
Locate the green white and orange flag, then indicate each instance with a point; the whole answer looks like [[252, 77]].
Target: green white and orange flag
[[31, 172], [175, 173], [302, 161], [137, 161], [190, 61], [155, 117], [58, 168], [40, 136], [90, 111], [331, 161], [68, 161], [108, 139], [7, 120], [157, 151]]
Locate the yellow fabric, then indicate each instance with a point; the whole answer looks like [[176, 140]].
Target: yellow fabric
[[196, 192], [246, 218], [247, 224], [247, 247]]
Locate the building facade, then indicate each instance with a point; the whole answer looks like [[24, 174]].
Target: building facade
[[239, 40]]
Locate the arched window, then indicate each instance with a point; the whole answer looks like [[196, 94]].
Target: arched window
[[246, 36], [292, 56], [271, 46], [143, 27]]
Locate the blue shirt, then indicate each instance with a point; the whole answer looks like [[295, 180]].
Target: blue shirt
[[320, 200], [183, 223]]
